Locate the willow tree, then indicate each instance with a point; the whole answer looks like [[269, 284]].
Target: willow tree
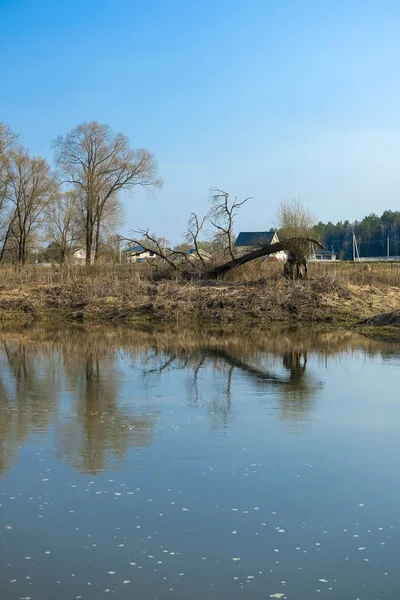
[[99, 163], [296, 225]]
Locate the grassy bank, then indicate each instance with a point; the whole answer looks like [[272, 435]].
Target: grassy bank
[[124, 294]]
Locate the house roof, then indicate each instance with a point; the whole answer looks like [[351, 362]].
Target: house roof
[[201, 251], [252, 238], [134, 249]]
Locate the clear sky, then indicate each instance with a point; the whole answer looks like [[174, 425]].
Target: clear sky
[[273, 99]]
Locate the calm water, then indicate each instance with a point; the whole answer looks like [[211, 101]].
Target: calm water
[[150, 465]]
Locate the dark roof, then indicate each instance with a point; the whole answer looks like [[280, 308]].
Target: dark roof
[[134, 249], [253, 238]]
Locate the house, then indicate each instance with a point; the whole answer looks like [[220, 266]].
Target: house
[[78, 256], [137, 254], [193, 254], [324, 255], [251, 240]]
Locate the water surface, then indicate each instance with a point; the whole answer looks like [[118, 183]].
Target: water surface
[[147, 465]]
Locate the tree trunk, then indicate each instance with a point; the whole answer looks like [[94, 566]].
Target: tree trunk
[[89, 239], [97, 240], [259, 253]]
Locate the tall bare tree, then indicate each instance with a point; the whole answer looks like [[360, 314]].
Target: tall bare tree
[[99, 164], [8, 141], [62, 226], [222, 216], [32, 188]]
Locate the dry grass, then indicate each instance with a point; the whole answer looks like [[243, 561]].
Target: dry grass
[[254, 293]]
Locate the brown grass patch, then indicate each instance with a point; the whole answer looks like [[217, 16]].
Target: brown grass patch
[[118, 293]]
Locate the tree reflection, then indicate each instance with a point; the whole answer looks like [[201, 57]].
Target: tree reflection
[[73, 383], [99, 431], [294, 387], [70, 378], [28, 396]]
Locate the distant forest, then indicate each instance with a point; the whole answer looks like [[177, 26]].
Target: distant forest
[[372, 234]]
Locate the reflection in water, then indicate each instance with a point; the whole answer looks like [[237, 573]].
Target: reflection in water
[[28, 398], [296, 390], [72, 378], [98, 429]]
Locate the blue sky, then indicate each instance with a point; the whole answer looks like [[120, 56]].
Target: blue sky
[[273, 99]]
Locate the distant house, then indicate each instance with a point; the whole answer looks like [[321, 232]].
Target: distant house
[[251, 240], [193, 254], [324, 255], [78, 256], [137, 254]]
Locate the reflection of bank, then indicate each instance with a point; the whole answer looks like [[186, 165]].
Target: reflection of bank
[[69, 377]]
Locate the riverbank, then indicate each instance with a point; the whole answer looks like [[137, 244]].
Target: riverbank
[[323, 299]]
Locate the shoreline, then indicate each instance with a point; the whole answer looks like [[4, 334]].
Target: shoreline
[[318, 301]]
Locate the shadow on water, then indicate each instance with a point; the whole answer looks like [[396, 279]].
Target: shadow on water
[[71, 379]]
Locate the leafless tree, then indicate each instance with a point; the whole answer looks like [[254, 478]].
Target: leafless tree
[[62, 223], [158, 246], [100, 163], [8, 141], [296, 222], [32, 188], [195, 226], [222, 216]]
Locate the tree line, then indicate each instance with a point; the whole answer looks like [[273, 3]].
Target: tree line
[[372, 234], [77, 204]]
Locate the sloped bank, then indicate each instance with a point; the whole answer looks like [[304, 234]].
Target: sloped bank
[[322, 299]]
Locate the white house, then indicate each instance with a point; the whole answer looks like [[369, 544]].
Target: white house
[[251, 240], [78, 256], [323, 255], [194, 255], [137, 254]]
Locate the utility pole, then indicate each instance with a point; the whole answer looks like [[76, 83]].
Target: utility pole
[[355, 248], [388, 247]]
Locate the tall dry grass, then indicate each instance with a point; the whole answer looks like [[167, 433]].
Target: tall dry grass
[[333, 293], [115, 274]]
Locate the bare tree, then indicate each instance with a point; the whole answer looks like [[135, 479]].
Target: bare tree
[[222, 216], [294, 219], [100, 163], [112, 219], [32, 188], [62, 223], [195, 226], [159, 247], [8, 141], [295, 222]]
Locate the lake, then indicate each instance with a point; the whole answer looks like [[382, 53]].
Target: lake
[[147, 464]]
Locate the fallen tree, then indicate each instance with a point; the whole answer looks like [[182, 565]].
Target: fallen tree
[[296, 259]]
